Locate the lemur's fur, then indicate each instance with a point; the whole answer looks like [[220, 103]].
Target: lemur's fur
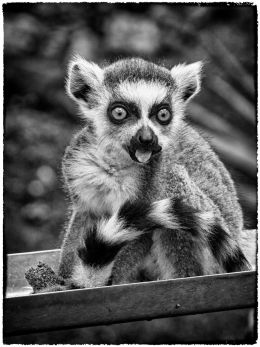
[[148, 195]]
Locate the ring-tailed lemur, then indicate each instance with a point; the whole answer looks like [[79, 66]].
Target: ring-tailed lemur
[[147, 191]]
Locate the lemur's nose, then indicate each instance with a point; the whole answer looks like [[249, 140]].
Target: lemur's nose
[[145, 136]]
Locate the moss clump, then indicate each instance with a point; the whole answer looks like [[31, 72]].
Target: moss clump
[[42, 277]]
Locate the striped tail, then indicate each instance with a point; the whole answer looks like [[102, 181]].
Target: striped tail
[[134, 219]]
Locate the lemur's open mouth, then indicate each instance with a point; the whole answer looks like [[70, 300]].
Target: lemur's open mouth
[[143, 145], [143, 154]]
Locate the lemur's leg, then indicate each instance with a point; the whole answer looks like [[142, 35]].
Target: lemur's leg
[[127, 264], [79, 223], [201, 242]]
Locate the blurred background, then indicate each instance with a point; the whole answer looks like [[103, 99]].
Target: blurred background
[[39, 119]]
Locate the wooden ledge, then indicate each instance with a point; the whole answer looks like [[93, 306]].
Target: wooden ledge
[[124, 303]]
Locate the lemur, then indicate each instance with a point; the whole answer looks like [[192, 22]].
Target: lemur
[[148, 194]]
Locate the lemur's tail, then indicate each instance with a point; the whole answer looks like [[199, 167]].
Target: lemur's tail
[[135, 219]]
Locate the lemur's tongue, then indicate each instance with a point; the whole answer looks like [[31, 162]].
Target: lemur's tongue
[[143, 156]]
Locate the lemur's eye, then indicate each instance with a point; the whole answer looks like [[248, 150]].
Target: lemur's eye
[[119, 113], [164, 116]]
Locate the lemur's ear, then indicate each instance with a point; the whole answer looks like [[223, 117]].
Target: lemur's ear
[[84, 80], [188, 79]]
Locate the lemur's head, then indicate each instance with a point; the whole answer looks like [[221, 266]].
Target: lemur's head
[[135, 105]]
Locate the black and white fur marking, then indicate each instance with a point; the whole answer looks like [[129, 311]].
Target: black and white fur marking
[[110, 235]]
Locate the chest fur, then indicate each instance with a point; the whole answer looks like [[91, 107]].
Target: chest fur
[[102, 185]]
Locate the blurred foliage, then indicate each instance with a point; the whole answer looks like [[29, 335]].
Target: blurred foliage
[[39, 40]]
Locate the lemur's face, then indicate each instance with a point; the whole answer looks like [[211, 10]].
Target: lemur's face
[[135, 105], [140, 117]]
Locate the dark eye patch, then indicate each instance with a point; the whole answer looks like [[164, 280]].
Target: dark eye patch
[[157, 107], [131, 108]]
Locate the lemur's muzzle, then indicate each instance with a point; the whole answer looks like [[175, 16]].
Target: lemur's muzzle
[[144, 145]]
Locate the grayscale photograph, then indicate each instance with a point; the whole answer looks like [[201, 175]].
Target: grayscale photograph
[[130, 173]]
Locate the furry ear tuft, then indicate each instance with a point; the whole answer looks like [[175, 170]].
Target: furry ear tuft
[[84, 80], [188, 79]]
